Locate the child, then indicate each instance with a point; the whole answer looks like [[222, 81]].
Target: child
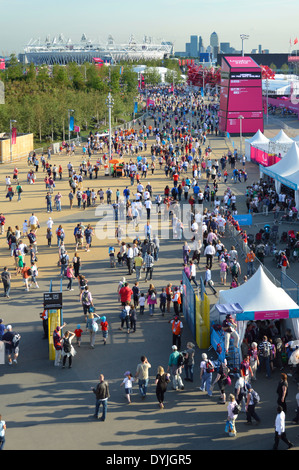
[[141, 303], [163, 301], [104, 326], [128, 383], [78, 332]]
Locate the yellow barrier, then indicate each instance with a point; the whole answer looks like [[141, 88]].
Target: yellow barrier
[[54, 320], [202, 318]]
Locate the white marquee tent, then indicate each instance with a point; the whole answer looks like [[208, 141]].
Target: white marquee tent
[[259, 140], [286, 171], [280, 143], [260, 299]]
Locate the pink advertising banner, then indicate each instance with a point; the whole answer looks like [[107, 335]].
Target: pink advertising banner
[[271, 314]]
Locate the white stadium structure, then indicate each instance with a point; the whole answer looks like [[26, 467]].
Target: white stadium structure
[[62, 51]]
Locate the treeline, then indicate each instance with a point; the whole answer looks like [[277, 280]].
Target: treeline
[[39, 98]]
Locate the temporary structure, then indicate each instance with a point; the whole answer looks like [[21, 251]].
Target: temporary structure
[[286, 171], [259, 140], [280, 144], [260, 299]]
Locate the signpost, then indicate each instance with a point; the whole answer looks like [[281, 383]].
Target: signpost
[[53, 304]]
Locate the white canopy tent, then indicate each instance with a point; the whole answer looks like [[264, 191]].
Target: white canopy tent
[[280, 143], [260, 299], [285, 171], [259, 140]]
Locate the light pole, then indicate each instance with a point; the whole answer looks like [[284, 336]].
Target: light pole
[[69, 116], [109, 103], [241, 149], [10, 134], [243, 37]]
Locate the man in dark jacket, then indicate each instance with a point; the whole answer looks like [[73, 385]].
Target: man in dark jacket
[[102, 394]]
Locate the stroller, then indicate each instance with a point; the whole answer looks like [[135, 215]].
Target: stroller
[[266, 232], [274, 233], [291, 237], [284, 237]]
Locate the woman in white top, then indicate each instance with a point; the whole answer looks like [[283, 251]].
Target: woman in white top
[[231, 416]]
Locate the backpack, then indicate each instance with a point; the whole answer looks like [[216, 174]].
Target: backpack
[[235, 269], [66, 345], [255, 397], [181, 360], [63, 259], [209, 366], [236, 409], [59, 232], [16, 338], [123, 314], [266, 349], [85, 297]]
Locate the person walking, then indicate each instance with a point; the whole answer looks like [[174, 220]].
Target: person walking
[[162, 379], [231, 415], [209, 253], [105, 328], [128, 383], [252, 398], [87, 301], [149, 264], [70, 275], [223, 379], [193, 273], [143, 376], [102, 395], [93, 328], [280, 433], [175, 369], [11, 341], [177, 329], [206, 374], [189, 362], [6, 280], [57, 341], [151, 299], [68, 349], [282, 391]]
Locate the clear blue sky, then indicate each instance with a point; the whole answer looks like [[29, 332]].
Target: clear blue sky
[[270, 23]]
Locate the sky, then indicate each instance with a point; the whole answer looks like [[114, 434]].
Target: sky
[[269, 23]]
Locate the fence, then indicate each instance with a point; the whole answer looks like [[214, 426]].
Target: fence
[[290, 286], [244, 249]]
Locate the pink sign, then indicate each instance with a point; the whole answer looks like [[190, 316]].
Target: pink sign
[[76, 129], [271, 314]]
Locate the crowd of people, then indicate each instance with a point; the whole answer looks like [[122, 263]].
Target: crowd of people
[[172, 140]]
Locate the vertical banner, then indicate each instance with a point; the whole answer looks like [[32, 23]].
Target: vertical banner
[[71, 123], [14, 136], [2, 64], [76, 128], [135, 107]]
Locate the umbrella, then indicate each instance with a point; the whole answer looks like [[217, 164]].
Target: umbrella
[[114, 161]]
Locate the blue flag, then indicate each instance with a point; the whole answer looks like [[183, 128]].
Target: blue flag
[[135, 107], [71, 125]]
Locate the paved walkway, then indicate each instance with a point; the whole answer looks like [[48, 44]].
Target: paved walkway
[[50, 408]]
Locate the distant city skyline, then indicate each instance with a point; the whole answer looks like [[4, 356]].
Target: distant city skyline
[[165, 20]]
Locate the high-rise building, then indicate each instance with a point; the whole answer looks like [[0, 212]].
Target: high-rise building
[[193, 46], [200, 45], [260, 49], [225, 47], [214, 42], [188, 49]]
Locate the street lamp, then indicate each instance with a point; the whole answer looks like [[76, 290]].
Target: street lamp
[[241, 118], [243, 37], [69, 116], [109, 103], [10, 134]]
